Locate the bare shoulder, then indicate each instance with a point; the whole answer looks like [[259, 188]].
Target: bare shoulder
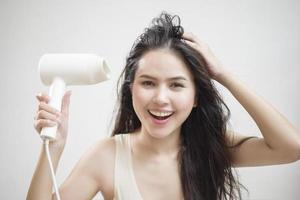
[[104, 148], [94, 172], [103, 154]]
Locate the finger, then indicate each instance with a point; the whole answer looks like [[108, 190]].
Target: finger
[[42, 114], [43, 97], [48, 108], [193, 38], [192, 44], [190, 37], [41, 123], [66, 102]]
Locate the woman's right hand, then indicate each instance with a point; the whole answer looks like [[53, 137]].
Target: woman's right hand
[[48, 116]]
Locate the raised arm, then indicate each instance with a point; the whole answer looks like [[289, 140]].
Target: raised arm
[[281, 140], [46, 116], [84, 181]]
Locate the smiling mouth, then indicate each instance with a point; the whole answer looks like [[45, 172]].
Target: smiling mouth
[[160, 117]]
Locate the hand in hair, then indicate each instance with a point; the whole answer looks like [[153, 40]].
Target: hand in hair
[[215, 67]]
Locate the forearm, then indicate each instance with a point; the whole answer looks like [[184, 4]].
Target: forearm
[[41, 183], [279, 134]]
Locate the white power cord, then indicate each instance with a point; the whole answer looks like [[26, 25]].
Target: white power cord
[[46, 142]]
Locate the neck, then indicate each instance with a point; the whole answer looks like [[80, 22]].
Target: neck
[[167, 146]]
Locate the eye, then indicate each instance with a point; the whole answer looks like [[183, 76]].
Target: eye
[[177, 85], [147, 83]]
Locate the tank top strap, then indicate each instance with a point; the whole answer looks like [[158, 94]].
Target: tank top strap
[[125, 187]]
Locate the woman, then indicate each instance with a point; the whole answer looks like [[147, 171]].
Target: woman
[[170, 139]]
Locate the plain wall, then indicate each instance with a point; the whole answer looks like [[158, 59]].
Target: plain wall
[[258, 40]]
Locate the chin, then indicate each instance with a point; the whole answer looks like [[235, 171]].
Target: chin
[[159, 133]]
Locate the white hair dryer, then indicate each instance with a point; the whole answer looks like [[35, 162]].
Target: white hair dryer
[[59, 70]]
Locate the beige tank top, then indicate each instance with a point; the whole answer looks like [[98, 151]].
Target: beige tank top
[[125, 187]]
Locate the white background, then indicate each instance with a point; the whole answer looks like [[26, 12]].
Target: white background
[[258, 40]]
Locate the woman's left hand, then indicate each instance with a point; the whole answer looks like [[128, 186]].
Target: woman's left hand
[[215, 67]]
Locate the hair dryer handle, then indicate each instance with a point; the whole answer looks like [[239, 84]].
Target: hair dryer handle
[[56, 93]]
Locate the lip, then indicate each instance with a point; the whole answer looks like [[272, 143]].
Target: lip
[[159, 122], [156, 110]]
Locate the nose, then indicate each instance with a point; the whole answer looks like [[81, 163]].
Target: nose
[[161, 96]]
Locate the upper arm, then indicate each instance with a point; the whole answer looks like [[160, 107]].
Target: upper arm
[[248, 151], [91, 172]]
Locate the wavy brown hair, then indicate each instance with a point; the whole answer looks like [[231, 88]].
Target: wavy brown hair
[[204, 159]]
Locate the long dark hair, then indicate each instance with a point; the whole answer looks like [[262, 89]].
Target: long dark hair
[[205, 165]]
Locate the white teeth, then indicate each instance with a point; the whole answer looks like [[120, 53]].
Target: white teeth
[[160, 114]]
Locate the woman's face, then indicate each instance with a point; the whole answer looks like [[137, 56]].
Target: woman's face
[[163, 92]]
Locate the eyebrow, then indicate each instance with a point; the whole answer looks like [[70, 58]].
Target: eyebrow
[[171, 79]]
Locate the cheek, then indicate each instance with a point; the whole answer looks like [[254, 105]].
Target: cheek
[[185, 101], [140, 99]]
